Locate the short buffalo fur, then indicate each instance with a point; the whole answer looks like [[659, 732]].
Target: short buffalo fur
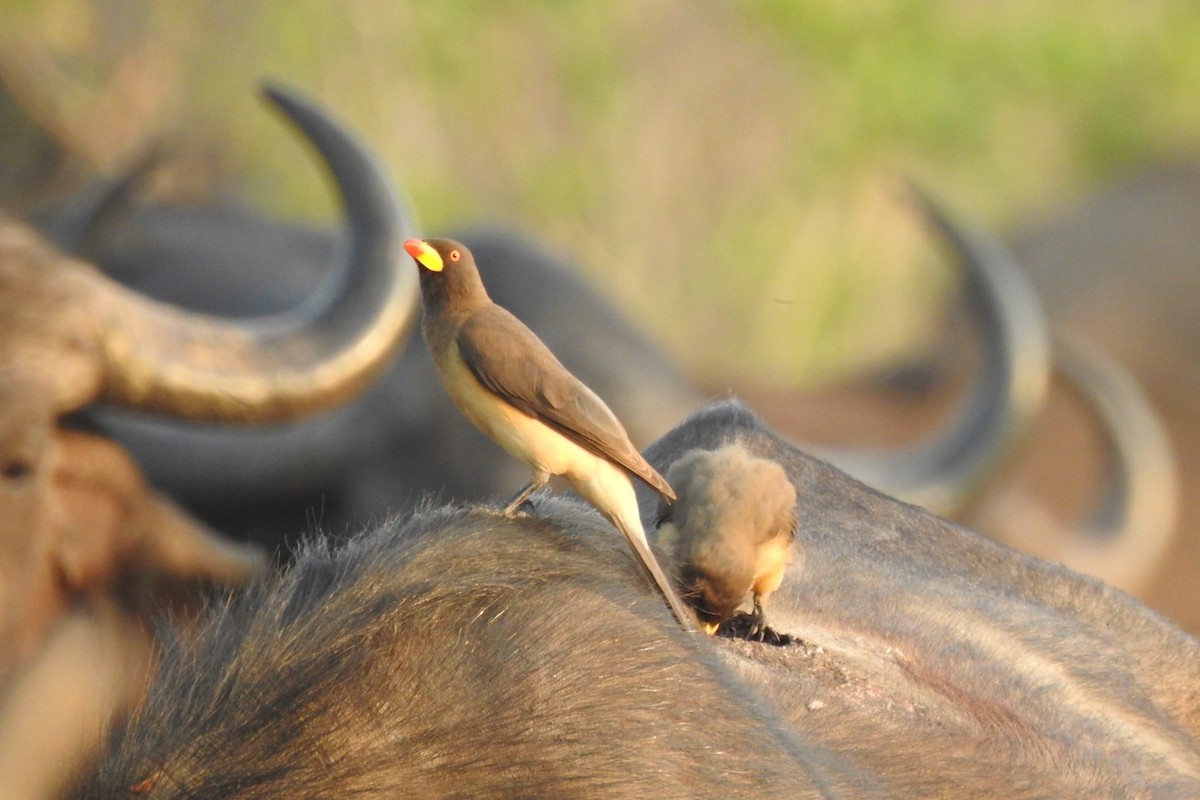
[[459, 653]]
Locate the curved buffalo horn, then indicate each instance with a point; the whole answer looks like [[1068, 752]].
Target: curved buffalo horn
[[1129, 528], [946, 472], [160, 358]]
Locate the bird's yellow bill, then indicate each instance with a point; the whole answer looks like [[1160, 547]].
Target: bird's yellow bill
[[425, 255]]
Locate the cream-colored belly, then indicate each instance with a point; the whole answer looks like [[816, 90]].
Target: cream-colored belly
[[603, 483], [522, 436]]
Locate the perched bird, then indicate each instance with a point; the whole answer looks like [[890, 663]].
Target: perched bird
[[511, 387], [730, 532]]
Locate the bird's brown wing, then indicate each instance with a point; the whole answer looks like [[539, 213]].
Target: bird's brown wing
[[508, 359]]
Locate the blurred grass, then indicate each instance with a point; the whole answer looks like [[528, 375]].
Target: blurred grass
[[727, 172]]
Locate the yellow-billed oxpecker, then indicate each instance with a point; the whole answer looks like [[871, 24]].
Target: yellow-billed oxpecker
[[511, 387], [730, 532]]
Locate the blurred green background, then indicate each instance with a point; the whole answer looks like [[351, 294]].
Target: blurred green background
[[727, 172]]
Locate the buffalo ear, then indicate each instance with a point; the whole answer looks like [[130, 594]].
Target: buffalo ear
[[111, 525], [176, 545]]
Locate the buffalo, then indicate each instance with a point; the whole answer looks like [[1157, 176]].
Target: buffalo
[[457, 652], [1118, 269], [88, 547]]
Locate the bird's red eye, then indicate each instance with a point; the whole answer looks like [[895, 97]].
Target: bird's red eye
[[454, 255]]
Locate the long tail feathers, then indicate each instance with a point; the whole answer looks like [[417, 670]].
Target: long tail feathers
[[637, 542]]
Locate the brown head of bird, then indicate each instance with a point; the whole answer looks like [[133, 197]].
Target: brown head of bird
[[449, 277]]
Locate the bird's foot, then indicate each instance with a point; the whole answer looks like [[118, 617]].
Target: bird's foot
[[743, 626], [521, 499], [758, 623], [517, 507]]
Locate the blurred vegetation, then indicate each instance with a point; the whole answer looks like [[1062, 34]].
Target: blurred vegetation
[[726, 171]]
